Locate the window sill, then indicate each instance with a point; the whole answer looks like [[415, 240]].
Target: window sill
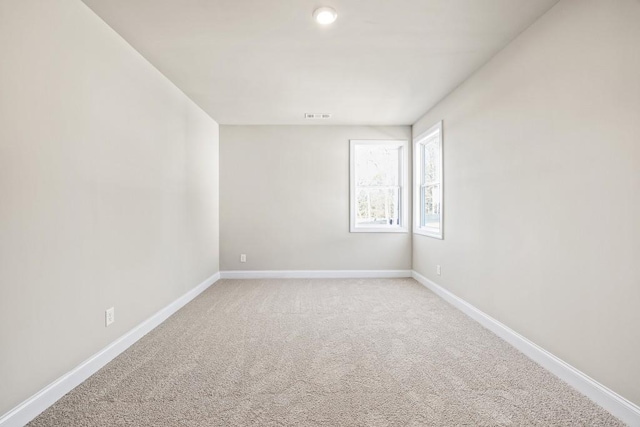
[[378, 230], [427, 233]]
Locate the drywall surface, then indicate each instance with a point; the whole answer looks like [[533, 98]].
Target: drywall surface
[[284, 197], [542, 189], [108, 191]]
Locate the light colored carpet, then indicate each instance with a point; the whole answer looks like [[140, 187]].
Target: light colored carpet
[[349, 352]]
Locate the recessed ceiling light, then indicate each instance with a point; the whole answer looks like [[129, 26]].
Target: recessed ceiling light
[[325, 15]]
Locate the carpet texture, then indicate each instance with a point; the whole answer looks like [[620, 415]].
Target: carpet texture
[[339, 352]]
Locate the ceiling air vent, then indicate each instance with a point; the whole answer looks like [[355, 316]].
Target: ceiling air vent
[[315, 116]]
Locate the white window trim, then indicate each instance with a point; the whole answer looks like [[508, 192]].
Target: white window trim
[[417, 182], [404, 188]]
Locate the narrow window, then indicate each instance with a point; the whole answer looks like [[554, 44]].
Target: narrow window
[[379, 194], [428, 183]]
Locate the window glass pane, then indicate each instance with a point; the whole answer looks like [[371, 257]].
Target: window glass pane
[[377, 206], [377, 165], [431, 195], [431, 162]]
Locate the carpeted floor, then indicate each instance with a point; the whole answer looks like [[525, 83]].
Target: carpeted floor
[[340, 352]]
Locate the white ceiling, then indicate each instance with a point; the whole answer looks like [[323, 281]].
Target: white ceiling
[[383, 62]]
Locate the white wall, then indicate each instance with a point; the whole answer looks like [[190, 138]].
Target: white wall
[[542, 189], [284, 196], [108, 191]]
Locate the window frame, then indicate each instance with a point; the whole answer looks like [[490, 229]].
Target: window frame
[[419, 144], [403, 181]]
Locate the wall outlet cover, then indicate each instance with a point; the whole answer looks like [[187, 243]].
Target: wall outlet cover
[[109, 316]]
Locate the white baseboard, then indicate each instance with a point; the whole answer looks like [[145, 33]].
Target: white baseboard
[[608, 399], [313, 274], [32, 407]]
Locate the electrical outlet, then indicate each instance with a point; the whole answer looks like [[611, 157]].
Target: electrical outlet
[[243, 257], [109, 316], [438, 270]]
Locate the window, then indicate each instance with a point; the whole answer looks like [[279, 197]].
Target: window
[[428, 183], [379, 194]]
